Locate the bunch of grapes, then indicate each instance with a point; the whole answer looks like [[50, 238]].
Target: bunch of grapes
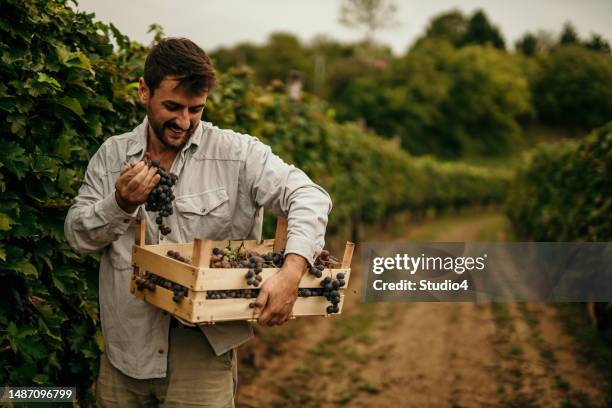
[[232, 294], [161, 197], [330, 291], [177, 255], [25, 304], [240, 258], [308, 292], [150, 281], [323, 261]]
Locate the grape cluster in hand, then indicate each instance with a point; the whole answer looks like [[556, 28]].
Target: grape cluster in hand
[[161, 197]]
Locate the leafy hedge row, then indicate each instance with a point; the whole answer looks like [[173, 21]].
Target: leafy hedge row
[[65, 89], [564, 192]]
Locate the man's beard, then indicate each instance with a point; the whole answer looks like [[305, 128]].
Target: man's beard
[[159, 131]]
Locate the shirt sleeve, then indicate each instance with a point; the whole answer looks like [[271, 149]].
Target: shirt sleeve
[[95, 219], [286, 190]]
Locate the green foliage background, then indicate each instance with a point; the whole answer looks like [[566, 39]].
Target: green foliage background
[[363, 172], [456, 93], [65, 89], [574, 87], [564, 191]]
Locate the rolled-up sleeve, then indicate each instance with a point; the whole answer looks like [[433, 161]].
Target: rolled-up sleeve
[[95, 219], [286, 190]]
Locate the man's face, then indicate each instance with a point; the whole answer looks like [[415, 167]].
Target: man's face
[[173, 114]]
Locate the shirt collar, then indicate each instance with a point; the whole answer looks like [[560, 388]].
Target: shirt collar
[[139, 143]]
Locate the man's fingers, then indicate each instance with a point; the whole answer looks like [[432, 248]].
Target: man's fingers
[[136, 181], [278, 318], [261, 303], [148, 178], [262, 299], [153, 182], [131, 170], [273, 317]]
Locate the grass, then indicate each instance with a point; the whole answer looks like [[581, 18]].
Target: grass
[[509, 374], [497, 230], [501, 316], [546, 353]]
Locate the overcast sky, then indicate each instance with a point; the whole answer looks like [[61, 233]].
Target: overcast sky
[[215, 23]]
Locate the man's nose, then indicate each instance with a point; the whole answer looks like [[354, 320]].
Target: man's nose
[[183, 119]]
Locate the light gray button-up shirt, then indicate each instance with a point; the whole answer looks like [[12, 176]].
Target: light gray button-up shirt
[[224, 180]]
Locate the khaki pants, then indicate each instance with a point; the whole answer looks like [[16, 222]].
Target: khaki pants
[[196, 377]]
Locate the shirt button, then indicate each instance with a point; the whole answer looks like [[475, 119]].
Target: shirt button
[[160, 351], [203, 209], [126, 220]]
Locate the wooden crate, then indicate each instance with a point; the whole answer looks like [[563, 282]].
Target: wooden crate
[[199, 278]]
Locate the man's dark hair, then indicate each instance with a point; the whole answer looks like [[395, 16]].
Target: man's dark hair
[[180, 59]]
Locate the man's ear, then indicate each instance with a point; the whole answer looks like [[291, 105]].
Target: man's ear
[[143, 91]]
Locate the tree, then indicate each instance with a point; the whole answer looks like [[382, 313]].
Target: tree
[[546, 40], [574, 87], [597, 43], [368, 15], [241, 54], [481, 31], [527, 45], [489, 92], [451, 26], [438, 99], [67, 83], [568, 35], [282, 53]]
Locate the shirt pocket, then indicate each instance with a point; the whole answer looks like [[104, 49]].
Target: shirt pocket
[[204, 215]]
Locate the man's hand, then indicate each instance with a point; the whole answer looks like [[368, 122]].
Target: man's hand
[[279, 292], [134, 185]]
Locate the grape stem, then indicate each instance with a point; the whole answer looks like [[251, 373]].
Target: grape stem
[[240, 247]]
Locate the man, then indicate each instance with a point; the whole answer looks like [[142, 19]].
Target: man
[[224, 179]]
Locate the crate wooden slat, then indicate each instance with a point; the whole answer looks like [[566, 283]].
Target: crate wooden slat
[[210, 311], [199, 278]]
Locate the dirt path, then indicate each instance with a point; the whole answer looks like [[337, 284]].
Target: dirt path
[[421, 354]]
